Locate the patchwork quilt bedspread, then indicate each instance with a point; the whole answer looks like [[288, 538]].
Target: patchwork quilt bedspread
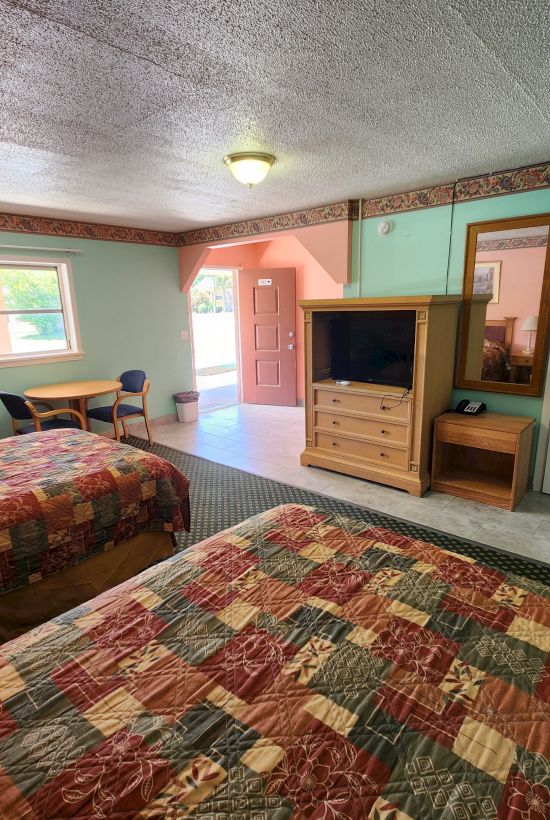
[[66, 495], [300, 665]]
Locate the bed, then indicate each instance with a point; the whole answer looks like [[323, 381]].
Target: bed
[[79, 513], [300, 665], [497, 346]]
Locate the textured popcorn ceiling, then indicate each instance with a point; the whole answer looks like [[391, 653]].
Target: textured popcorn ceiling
[[122, 110]]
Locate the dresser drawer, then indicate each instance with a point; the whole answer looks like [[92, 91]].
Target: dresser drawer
[[386, 406], [368, 428], [363, 450], [482, 438]]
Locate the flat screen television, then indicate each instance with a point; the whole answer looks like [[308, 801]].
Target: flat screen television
[[373, 346]]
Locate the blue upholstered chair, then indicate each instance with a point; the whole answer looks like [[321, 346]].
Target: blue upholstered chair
[[134, 384], [25, 418]]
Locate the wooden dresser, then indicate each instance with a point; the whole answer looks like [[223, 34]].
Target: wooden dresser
[[373, 431]]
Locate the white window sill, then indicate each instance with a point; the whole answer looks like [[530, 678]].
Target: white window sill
[[42, 358]]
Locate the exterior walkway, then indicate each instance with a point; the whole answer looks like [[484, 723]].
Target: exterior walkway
[[217, 390]]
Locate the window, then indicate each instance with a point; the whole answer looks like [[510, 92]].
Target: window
[[37, 314]]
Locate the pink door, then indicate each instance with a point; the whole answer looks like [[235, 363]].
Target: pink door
[[267, 315]]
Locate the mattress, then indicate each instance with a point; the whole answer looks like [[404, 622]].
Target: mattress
[[299, 665], [66, 495]]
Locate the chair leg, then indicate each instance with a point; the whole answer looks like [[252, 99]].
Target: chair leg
[[117, 431], [148, 428], [146, 417], [124, 428]]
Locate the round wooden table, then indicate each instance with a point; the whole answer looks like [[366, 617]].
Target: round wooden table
[[76, 393]]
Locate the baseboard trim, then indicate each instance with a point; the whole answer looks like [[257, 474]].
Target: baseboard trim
[[155, 422], [169, 417]]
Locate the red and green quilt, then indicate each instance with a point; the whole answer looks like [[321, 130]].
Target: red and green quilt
[[66, 495], [300, 665]]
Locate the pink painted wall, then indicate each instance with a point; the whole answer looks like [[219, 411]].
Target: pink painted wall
[[235, 256], [312, 280], [329, 244], [521, 274]]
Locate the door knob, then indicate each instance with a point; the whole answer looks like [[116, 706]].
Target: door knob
[[291, 347]]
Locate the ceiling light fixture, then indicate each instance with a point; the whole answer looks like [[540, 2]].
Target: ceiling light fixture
[[250, 167]]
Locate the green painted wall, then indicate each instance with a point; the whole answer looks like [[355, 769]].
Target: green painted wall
[[130, 310], [412, 259]]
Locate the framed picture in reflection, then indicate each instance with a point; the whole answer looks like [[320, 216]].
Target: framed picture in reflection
[[487, 280]]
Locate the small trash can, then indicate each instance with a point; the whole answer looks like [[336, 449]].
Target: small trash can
[[187, 405]]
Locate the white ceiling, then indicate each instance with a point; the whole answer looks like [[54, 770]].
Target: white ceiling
[[121, 111]]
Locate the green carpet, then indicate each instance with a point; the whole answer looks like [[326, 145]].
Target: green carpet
[[222, 496]]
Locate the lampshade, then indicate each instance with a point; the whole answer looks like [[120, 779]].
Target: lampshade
[[530, 323], [249, 168]]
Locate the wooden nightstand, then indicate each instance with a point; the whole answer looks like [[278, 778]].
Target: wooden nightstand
[[521, 364], [484, 458]]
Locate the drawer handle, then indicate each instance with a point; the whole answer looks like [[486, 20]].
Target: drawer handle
[[335, 422], [383, 431], [335, 401], [382, 455], [335, 444]]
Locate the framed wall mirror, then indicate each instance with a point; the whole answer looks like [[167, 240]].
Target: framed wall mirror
[[505, 314]]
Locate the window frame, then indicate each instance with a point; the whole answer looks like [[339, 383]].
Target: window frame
[[68, 311]]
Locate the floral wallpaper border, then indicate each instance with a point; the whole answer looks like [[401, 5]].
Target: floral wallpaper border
[[488, 185], [267, 224], [408, 201], [19, 223], [507, 182], [512, 244]]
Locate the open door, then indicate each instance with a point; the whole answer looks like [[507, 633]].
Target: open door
[[267, 316]]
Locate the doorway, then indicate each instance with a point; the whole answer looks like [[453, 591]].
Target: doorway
[[215, 338]]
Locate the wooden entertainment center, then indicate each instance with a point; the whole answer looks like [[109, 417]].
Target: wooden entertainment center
[[375, 431]]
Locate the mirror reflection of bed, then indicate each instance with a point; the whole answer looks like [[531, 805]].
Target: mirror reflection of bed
[[507, 287], [497, 349]]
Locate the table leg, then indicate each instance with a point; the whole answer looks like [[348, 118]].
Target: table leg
[[82, 406]]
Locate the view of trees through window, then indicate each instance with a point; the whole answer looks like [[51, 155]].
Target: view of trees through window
[[212, 292], [31, 311]]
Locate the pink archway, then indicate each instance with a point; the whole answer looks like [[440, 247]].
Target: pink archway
[[320, 254], [328, 244]]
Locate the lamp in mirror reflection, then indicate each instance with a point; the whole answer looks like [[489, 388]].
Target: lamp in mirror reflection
[[529, 326]]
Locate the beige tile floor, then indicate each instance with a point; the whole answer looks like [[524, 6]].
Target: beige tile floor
[[268, 441]]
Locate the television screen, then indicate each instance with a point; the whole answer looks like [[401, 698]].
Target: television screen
[[373, 346]]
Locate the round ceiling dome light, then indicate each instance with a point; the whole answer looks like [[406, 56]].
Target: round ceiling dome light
[[250, 168]]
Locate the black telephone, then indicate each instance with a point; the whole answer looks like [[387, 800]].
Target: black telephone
[[471, 408]]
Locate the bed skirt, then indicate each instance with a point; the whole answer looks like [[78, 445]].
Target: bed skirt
[[27, 607]]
